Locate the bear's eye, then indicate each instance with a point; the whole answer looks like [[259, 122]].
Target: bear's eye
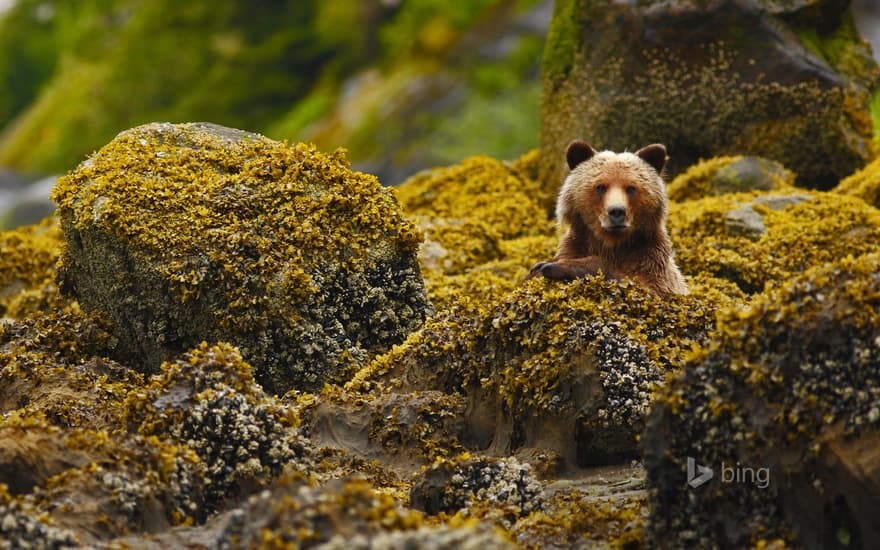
[[631, 190], [601, 188]]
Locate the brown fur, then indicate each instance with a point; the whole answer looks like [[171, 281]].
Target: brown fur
[[615, 207]]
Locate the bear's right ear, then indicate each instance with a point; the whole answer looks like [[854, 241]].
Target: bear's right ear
[[578, 152]]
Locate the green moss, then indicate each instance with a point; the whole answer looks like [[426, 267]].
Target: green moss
[[563, 41], [223, 235]]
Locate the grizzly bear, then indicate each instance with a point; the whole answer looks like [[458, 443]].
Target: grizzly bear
[[615, 207]]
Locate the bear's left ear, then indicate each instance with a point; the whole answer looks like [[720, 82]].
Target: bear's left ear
[[655, 155], [578, 152]]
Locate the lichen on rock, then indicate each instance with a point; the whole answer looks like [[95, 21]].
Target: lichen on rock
[[192, 232]]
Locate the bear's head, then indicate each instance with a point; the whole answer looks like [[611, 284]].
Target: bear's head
[[618, 197]]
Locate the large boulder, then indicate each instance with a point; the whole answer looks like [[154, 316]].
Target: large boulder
[[192, 232], [789, 81], [772, 431]]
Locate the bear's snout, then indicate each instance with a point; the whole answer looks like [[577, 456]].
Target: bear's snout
[[617, 214]]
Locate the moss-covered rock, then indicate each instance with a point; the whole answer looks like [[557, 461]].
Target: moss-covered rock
[[783, 407], [799, 231], [757, 78], [185, 233], [95, 485], [864, 184], [720, 175], [566, 367], [209, 401]]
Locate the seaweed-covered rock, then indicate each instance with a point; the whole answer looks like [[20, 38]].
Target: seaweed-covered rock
[[424, 538], [789, 233], [756, 77], [566, 367], [192, 232], [302, 516], [94, 484], [27, 270], [720, 175], [408, 430], [209, 401], [784, 407], [864, 184], [484, 224], [55, 366]]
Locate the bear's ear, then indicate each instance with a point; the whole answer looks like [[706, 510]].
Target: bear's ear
[[655, 155], [578, 152]]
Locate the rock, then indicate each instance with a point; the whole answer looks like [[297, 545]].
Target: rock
[[864, 184], [782, 407], [721, 175], [192, 232], [505, 484], [748, 222], [721, 237], [296, 514], [565, 368], [795, 88], [209, 401], [745, 221]]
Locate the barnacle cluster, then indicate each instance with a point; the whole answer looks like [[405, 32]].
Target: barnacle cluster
[[504, 484], [22, 528], [209, 401], [223, 235], [795, 374]]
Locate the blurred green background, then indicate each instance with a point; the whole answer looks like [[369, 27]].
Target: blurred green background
[[402, 84]]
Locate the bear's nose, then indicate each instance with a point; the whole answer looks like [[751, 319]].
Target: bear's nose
[[617, 214]]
